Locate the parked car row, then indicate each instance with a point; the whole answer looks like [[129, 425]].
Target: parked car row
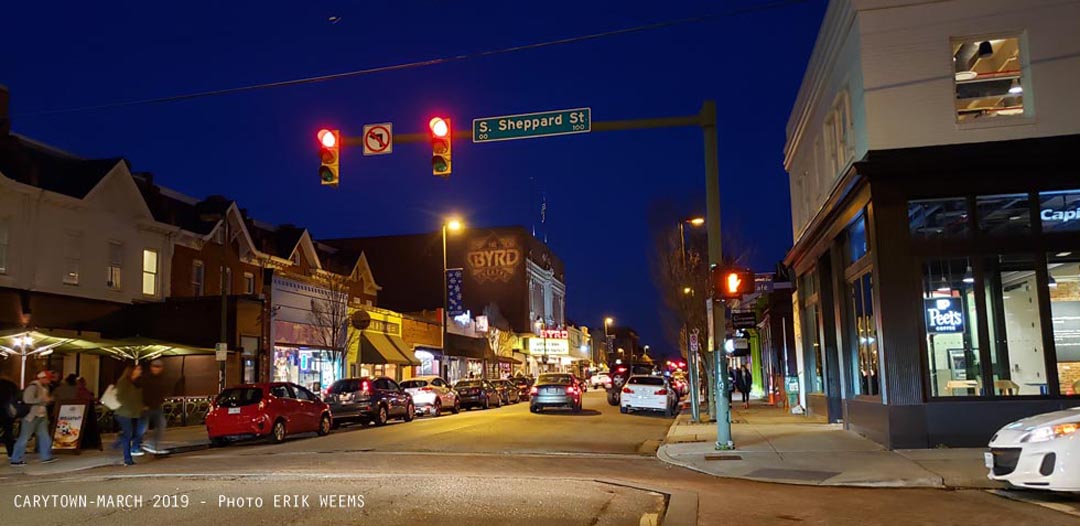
[[275, 410]]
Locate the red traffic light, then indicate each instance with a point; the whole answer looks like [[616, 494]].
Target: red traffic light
[[327, 138], [731, 283], [439, 127]]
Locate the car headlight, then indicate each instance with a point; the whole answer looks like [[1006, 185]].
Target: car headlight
[[1042, 434]]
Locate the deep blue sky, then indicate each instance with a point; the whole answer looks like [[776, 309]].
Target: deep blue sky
[[258, 147]]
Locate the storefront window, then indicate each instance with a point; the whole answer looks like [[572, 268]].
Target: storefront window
[[1016, 345], [811, 336], [938, 218], [311, 368], [1060, 211], [1064, 284], [856, 246], [952, 332], [1001, 215], [865, 342]]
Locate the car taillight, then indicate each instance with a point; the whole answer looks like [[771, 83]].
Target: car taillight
[[570, 390], [627, 390], [533, 390], [426, 389], [661, 392]]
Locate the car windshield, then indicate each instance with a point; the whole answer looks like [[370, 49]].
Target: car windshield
[[468, 383], [647, 380], [553, 379], [413, 384], [239, 396]]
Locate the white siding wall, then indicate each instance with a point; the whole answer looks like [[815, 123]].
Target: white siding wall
[[40, 223], [908, 69]]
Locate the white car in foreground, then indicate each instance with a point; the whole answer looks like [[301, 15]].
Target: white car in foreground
[[1038, 452], [432, 395], [648, 393]]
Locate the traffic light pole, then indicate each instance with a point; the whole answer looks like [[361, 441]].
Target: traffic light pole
[[706, 120]]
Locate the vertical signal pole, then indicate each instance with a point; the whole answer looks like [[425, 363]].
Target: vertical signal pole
[[712, 214]]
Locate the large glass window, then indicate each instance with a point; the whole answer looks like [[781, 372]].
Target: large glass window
[[1000, 215], [951, 322], [865, 341], [1016, 345], [1060, 211], [856, 239], [1064, 283], [116, 263], [150, 271], [938, 218], [813, 354], [988, 78]]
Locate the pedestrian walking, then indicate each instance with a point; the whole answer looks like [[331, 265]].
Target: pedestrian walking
[[731, 383], [67, 390], [744, 380], [36, 422], [130, 396], [82, 393], [9, 394], [154, 393]]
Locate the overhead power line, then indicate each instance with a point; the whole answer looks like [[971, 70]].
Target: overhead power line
[[430, 62]]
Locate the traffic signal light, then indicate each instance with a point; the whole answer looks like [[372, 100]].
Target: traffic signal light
[[440, 146], [731, 283], [329, 155]]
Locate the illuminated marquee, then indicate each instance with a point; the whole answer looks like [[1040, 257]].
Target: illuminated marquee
[[549, 346]]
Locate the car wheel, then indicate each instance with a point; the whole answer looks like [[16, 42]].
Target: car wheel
[[457, 407], [498, 401], [669, 412], [623, 409], [534, 409], [487, 403], [437, 412], [613, 397], [381, 416], [576, 408], [277, 433], [410, 412], [219, 442], [324, 425]]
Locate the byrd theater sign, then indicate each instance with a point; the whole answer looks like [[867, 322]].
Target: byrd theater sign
[[494, 258]]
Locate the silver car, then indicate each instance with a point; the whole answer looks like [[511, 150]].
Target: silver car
[[432, 395], [555, 390]]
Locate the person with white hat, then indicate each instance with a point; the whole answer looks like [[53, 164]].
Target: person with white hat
[[36, 395]]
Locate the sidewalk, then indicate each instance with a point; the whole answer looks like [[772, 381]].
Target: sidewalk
[[775, 446], [177, 440]]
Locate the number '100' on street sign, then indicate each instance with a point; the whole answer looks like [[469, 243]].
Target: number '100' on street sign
[[532, 125]]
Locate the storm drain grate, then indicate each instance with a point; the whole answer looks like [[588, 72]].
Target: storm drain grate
[[720, 456], [792, 474]]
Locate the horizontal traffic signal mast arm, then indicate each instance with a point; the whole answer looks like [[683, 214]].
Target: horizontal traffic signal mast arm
[[465, 135]]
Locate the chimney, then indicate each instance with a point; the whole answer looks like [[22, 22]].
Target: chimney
[[5, 116]]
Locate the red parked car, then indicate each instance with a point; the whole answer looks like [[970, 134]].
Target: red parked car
[[271, 410]]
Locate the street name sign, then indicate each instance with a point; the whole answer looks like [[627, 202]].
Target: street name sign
[[532, 125], [378, 138]]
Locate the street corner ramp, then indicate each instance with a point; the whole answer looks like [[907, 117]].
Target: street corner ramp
[[387, 500]]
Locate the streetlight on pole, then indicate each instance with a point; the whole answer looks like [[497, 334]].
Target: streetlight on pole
[[691, 353], [452, 224]]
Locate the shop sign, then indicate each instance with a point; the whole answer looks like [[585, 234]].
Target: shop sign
[[494, 258], [943, 315], [1050, 215], [744, 320], [549, 346], [555, 334]]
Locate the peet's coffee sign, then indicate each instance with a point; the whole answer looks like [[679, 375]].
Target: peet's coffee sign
[[494, 258], [943, 315]]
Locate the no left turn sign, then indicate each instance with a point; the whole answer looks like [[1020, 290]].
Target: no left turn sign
[[378, 138]]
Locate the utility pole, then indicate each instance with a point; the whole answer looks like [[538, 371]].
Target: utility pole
[[716, 257]]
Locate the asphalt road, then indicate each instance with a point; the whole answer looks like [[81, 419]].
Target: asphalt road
[[501, 466]]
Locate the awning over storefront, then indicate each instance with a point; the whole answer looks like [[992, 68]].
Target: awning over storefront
[[507, 359], [463, 346], [382, 348]]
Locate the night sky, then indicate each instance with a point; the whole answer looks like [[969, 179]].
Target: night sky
[[259, 147]]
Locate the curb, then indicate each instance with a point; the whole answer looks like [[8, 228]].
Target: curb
[[938, 484], [681, 508]]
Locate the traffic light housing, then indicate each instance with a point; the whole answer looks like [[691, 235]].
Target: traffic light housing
[[731, 283], [441, 146], [329, 156]]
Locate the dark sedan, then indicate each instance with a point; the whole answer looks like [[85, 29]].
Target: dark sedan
[[477, 393], [369, 400], [523, 385], [556, 390], [508, 392]]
